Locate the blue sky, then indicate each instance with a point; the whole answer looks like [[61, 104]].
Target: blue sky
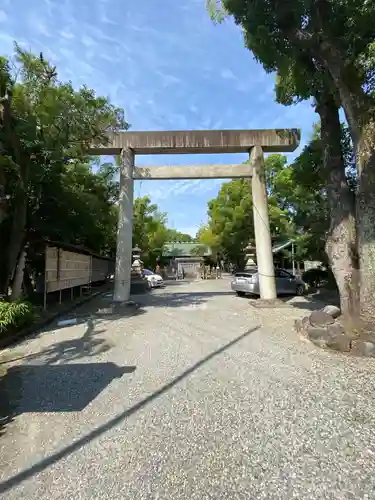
[[168, 66]]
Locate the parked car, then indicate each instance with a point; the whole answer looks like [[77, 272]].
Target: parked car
[[154, 280], [247, 283]]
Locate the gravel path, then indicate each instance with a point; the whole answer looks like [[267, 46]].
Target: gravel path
[[202, 396]]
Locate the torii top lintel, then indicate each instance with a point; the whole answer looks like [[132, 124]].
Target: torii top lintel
[[200, 141]]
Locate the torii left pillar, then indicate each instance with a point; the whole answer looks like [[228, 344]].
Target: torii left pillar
[[124, 229]]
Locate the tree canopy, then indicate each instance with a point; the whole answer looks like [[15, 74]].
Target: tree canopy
[[297, 208], [49, 187], [324, 50], [46, 175]]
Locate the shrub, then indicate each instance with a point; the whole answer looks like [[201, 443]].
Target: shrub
[[314, 277], [15, 315]]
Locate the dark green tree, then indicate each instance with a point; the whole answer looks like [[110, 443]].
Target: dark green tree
[[45, 129], [324, 50]]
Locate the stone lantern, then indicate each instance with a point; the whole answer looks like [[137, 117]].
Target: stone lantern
[[137, 265], [250, 255]]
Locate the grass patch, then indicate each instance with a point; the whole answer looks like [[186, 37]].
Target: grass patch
[[16, 315]]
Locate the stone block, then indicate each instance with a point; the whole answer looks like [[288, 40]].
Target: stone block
[[340, 342], [305, 323], [319, 336], [331, 336], [333, 311], [320, 318], [301, 325], [363, 348], [337, 329], [298, 325]]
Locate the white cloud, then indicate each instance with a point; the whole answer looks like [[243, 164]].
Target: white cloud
[[88, 41], [227, 74], [3, 16], [67, 35], [6, 41], [103, 7], [39, 26], [192, 230]]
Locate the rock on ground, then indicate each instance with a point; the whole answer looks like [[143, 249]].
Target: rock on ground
[[324, 329], [198, 396], [333, 311]]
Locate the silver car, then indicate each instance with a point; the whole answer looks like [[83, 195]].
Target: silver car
[[154, 280], [247, 283]]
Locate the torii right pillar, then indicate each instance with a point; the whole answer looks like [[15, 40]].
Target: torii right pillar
[[262, 230]]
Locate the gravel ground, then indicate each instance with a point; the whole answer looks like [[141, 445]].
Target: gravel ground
[[201, 396]]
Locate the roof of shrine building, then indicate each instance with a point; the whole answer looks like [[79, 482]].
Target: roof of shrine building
[[182, 249]]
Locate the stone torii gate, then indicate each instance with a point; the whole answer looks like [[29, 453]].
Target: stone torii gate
[[254, 142]]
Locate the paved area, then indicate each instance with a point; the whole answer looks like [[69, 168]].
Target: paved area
[[200, 396]]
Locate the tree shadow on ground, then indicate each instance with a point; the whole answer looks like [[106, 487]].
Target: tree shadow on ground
[[71, 349], [310, 305], [102, 309], [174, 282], [56, 388], [92, 315], [42, 380], [40, 466], [179, 299], [5, 413], [312, 302]]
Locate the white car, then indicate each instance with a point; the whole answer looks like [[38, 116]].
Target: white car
[[154, 280]]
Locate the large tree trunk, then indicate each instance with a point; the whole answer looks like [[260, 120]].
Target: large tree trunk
[[19, 202], [359, 111], [15, 237], [17, 234], [18, 277], [3, 197], [27, 281], [366, 234], [341, 239]]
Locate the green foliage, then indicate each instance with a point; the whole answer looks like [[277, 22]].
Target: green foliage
[[199, 250], [298, 204], [15, 315], [216, 10], [150, 231], [315, 48], [77, 207], [54, 190], [67, 196], [231, 218], [149, 225], [207, 237], [176, 236], [231, 228], [45, 174]]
